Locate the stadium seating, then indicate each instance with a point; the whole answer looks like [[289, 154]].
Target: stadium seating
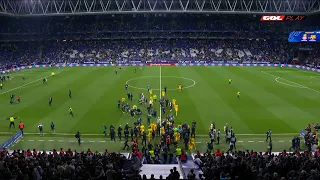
[[231, 51], [104, 38]]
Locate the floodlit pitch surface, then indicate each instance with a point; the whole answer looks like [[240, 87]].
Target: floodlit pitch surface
[[283, 100]]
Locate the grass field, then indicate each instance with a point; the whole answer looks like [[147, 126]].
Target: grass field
[[283, 100]]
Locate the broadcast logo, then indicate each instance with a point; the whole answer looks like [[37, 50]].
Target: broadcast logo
[[273, 18]]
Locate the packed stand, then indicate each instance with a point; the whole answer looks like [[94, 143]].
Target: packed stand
[[256, 165], [32, 164], [232, 51]]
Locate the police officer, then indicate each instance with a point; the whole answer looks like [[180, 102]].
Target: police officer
[[218, 136], [144, 139], [269, 135], [78, 136], [119, 132], [233, 140], [11, 98], [112, 133], [126, 144], [126, 131], [40, 129]]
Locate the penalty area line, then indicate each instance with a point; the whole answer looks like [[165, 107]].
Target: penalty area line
[[297, 85], [23, 86]]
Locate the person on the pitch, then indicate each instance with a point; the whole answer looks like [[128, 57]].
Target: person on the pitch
[[11, 120], [78, 137], [21, 126], [40, 129], [70, 111], [50, 101], [70, 94], [44, 81]]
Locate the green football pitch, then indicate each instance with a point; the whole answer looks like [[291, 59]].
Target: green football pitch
[[283, 100]]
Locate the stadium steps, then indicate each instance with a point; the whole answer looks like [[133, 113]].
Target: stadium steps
[[159, 169], [187, 166]]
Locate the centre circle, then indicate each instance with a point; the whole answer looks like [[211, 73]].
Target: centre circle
[[176, 77]]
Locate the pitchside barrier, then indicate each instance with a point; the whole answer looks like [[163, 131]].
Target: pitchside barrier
[[12, 140], [163, 64]]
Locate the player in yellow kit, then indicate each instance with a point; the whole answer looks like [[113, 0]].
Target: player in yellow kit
[[230, 81], [177, 136], [176, 108], [162, 130], [123, 99], [150, 92], [238, 94], [180, 88], [163, 93], [153, 126], [141, 129], [149, 134], [191, 144], [174, 102]]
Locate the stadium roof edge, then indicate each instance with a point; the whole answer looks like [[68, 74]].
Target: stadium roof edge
[[155, 12], [89, 7]]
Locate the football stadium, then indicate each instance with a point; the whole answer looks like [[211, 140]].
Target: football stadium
[[144, 89]]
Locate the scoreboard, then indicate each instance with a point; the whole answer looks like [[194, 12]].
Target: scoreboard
[[304, 36]]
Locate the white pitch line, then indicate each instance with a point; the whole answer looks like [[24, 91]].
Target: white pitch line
[[199, 135], [50, 140], [250, 141], [41, 140], [277, 79], [102, 141], [31, 86], [281, 141], [25, 84], [240, 141], [60, 140], [92, 141], [198, 142], [31, 140], [260, 141], [302, 86], [70, 141]]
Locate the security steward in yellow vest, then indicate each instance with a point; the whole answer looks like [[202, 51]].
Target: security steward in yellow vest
[[11, 120], [178, 152], [152, 155]]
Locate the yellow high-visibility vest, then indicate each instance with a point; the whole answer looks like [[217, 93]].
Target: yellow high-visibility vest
[[11, 119]]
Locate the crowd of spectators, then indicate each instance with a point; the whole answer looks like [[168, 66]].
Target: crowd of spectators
[[258, 165], [151, 38], [24, 165], [155, 50]]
